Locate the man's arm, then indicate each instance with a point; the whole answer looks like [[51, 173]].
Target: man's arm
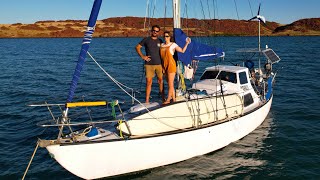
[[138, 49]]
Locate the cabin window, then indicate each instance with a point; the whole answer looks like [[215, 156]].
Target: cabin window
[[226, 76], [209, 75], [243, 78], [247, 99]]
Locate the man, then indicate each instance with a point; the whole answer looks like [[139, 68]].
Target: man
[[152, 60]]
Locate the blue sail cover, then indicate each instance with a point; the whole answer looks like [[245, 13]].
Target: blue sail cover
[[84, 48], [269, 92], [195, 50]]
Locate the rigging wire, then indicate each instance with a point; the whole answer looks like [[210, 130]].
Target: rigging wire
[[216, 17], [250, 8], [34, 152], [211, 21], [184, 21], [145, 17], [165, 14], [154, 8], [149, 15], [204, 24], [120, 85], [208, 9], [236, 9], [216, 23], [142, 75], [114, 80], [202, 9]]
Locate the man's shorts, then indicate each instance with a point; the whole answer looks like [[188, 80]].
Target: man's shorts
[[150, 69]]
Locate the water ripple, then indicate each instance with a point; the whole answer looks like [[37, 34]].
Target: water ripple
[[286, 145]]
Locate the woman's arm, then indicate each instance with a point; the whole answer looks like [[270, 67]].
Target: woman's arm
[[179, 49]]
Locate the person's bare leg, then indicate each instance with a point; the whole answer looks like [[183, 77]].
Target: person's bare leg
[[173, 89], [172, 76], [170, 87], [161, 91], [148, 88]]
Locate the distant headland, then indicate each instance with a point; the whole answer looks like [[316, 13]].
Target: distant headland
[[134, 27]]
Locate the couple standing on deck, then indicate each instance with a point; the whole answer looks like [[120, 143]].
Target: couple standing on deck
[[159, 59]]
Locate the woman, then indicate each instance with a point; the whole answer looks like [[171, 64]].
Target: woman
[[167, 50]]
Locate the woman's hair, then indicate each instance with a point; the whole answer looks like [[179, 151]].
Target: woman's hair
[[171, 38]]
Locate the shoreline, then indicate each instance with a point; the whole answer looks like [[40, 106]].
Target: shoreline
[[123, 27], [302, 35]]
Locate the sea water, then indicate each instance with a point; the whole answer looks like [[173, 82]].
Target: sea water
[[285, 146]]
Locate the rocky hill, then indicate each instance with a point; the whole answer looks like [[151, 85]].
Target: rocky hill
[[303, 26], [134, 27]]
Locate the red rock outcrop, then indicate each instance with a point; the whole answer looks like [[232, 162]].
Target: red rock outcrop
[[139, 27], [306, 26]]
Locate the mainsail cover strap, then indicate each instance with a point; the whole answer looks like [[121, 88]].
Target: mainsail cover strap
[[84, 48], [195, 50]]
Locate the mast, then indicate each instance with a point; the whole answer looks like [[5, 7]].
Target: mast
[[259, 36], [259, 43], [176, 24], [176, 14], [84, 48], [263, 19], [260, 18]]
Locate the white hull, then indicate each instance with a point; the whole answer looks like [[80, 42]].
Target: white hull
[[97, 160]]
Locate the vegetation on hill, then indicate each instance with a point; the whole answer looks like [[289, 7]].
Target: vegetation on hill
[[136, 27], [303, 26]]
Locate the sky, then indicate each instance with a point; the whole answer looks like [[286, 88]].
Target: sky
[[281, 11]]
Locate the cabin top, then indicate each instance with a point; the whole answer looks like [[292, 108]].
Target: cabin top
[[233, 69], [232, 79], [233, 74]]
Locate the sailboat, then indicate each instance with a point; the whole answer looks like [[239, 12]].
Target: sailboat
[[223, 106]]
